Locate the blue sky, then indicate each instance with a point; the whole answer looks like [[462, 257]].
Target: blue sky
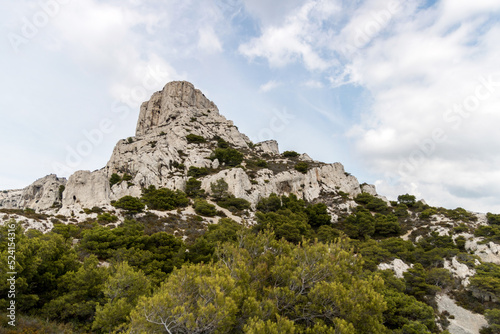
[[406, 94]]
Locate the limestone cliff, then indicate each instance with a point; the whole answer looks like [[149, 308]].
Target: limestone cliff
[[42, 194], [163, 150]]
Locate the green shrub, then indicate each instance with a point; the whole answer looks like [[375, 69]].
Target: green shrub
[[219, 189], [372, 203], [408, 200], [302, 167], [193, 188], [203, 208], [192, 138], [290, 154], [129, 203], [427, 213], [107, 218], [234, 204], [261, 163], [197, 171], [164, 199], [114, 179], [228, 156], [221, 143], [493, 219]]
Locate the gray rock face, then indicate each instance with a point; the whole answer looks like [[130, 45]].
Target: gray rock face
[[464, 322], [175, 98], [40, 195], [86, 189], [162, 152]]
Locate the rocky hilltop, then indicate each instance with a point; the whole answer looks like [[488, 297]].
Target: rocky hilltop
[[183, 143], [161, 154]]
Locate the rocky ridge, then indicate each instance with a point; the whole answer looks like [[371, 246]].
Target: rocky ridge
[[160, 154], [179, 129]]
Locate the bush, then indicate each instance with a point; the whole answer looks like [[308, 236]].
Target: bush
[[290, 154], [493, 219], [114, 179], [204, 208], [197, 171], [193, 188], [302, 167], [129, 203], [372, 203], [164, 199], [192, 138], [219, 189], [234, 204], [427, 213], [261, 163], [408, 200], [228, 156]]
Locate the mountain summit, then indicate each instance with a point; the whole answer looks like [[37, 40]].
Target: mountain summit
[[179, 130]]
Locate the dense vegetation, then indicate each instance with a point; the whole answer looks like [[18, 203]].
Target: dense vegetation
[[292, 272]]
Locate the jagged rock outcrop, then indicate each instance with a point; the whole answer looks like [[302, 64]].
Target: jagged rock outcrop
[[179, 128], [86, 189], [40, 195], [396, 265]]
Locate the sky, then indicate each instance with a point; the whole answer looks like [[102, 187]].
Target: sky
[[405, 94]]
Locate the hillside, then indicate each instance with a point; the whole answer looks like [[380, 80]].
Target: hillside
[[283, 243]]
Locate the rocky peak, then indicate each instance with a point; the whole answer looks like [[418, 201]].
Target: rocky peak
[[175, 98]]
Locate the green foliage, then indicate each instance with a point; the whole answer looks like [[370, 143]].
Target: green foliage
[[487, 281], [401, 211], [493, 219], [106, 218], [269, 204], [427, 213], [80, 292], [408, 200], [122, 290], [290, 154], [360, 224], [204, 247], [164, 198], [41, 262], [130, 204], [493, 318], [114, 179], [416, 283], [219, 189], [387, 225], [261, 163], [221, 143], [192, 138], [204, 208], [228, 156], [372, 203], [197, 171], [317, 215], [234, 204], [302, 167], [261, 285], [60, 191], [193, 188]]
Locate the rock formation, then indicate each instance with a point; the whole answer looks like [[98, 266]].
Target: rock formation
[[161, 154], [42, 194]]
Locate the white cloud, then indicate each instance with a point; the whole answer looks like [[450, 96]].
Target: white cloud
[[434, 119], [270, 85], [209, 41], [295, 39]]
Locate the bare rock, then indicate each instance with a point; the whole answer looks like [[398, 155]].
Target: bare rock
[[268, 146], [464, 322], [397, 265], [40, 195]]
